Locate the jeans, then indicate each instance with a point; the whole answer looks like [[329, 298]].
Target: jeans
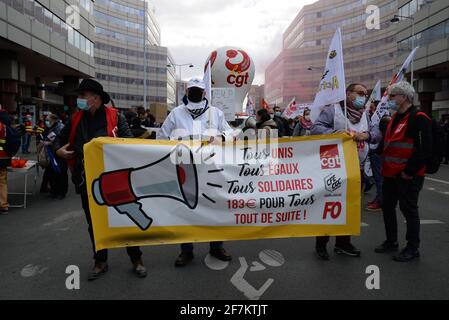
[[188, 247], [26, 139], [406, 192], [102, 255], [376, 166], [59, 182]]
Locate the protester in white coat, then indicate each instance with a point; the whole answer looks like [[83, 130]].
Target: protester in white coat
[[196, 119]]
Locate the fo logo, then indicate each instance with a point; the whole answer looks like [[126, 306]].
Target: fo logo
[[330, 157]]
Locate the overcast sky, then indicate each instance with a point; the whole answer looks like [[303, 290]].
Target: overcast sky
[[192, 29]]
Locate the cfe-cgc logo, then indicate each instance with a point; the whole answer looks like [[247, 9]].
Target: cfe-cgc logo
[[330, 157], [238, 62], [332, 183]]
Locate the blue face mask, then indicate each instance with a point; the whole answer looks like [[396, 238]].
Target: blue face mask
[[392, 105], [82, 104], [359, 102], [47, 124]]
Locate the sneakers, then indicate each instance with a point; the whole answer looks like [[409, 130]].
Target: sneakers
[[374, 207], [408, 254], [347, 249], [220, 254], [4, 211], [387, 246], [139, 269], [99, 269], [322, 253], [184, 259]]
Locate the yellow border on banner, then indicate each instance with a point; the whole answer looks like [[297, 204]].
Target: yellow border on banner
[[106, 237]]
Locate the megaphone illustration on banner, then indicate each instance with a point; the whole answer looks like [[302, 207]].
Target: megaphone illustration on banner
[[169, 177]]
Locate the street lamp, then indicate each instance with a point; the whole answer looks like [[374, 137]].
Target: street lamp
[[174, 65], [398, 18]]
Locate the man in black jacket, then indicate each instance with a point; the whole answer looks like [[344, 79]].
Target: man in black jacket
[[93, 124], [407, 147]]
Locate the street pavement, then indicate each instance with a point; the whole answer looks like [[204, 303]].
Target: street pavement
[[38, 243]]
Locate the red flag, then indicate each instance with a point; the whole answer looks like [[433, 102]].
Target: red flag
[[265, 105]]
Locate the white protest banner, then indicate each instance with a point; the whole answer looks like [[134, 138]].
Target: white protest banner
[[294, 110], [144, 192], [332, 87], [291, 110], [382, 107], [224, 99]]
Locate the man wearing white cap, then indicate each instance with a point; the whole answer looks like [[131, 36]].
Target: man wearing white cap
[[196, 119]]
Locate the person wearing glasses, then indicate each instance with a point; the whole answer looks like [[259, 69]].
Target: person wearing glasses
[[407, 147], [332, 119]]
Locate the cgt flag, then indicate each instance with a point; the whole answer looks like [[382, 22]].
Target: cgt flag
[[332, 87], [291, 111], [382, 108]]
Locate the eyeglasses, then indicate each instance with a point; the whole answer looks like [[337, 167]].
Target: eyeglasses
[[361, 93]]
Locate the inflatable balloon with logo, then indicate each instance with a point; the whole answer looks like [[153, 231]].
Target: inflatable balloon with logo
[[232, 67]]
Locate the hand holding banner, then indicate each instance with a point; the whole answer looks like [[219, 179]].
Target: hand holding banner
[[165, 192]]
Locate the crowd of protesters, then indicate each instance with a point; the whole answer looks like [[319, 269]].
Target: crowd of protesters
[[397, 150]]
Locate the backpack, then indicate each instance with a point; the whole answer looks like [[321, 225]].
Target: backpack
[[12, 144], [436, 156]]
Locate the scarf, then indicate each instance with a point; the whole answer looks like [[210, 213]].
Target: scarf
[[306, 125], [197, 109], [354, 115]]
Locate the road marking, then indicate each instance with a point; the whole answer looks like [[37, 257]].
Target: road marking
[[31, 271], [271, 258], [363, 224], [438, 180], [257, 266], [431, 222], [66, 216], [431, 189], [215, 264]]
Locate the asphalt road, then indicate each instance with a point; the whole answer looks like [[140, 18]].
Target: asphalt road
[[38, 243]]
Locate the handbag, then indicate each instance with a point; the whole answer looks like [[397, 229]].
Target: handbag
[[42, 156]]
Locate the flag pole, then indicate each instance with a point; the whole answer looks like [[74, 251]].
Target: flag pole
[[346, 116]]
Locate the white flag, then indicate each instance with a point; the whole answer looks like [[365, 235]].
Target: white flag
[[382, 108], [250, 110], [208, 81], [376, 95], [332, 87]]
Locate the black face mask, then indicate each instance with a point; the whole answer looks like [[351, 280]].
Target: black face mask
[[195, 95]]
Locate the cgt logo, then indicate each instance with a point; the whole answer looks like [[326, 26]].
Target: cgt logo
[[330, 157], [238, 63]]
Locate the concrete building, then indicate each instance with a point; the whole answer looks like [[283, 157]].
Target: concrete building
[[256, 93], [370, 54], [431, 66], [119, 54], [44, 52]]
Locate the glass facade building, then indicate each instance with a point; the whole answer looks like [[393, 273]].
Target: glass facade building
[[369, 54], [119, 54], [42, 45]]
